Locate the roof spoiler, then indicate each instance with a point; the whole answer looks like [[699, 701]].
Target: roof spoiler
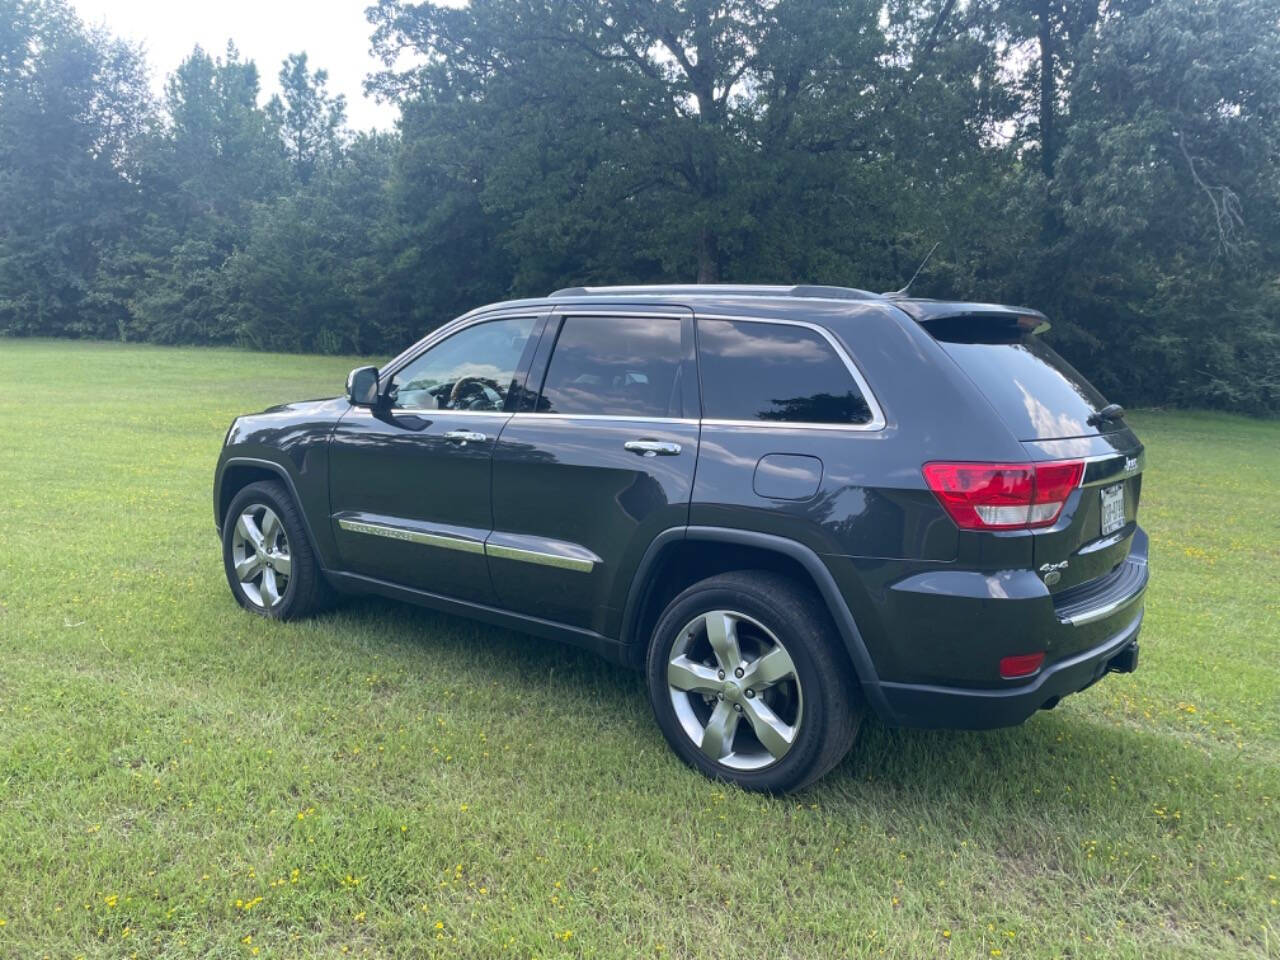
[[934, 311]]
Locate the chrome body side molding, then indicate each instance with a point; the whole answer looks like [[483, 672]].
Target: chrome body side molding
[[550, 553], [428, 538]]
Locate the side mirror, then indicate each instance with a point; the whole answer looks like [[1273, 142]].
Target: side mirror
[[362, 386]]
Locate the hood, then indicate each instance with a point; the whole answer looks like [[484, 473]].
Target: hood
[[303, 407]]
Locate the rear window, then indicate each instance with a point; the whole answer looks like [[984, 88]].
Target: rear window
[[755, 370], [1040, 395]]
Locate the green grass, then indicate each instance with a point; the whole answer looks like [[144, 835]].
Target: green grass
[[178, 778]]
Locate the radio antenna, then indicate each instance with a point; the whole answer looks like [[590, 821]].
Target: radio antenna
[[927, 256]]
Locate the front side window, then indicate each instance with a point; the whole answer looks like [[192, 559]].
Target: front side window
[[471, 370], [775, 372], [615, 366]]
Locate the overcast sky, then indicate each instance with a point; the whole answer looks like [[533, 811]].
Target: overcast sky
[[334, 33]]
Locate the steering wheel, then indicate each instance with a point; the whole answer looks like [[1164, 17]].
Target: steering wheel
[[471, 389]]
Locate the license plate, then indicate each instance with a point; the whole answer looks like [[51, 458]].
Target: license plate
[[1112, 508]]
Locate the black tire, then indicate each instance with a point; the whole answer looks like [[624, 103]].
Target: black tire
[[306, 591], [821, 693]]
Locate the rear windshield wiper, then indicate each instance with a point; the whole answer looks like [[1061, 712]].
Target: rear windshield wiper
[[1110, 413]]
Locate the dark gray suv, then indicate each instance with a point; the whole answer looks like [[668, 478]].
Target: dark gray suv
[[787, 505]]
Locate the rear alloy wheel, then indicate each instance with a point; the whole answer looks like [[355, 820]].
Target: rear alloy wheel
[[724, 669], [270, 566], [748, 683]]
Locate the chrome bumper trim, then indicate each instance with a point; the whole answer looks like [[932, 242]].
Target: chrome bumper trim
[[1134, 572]]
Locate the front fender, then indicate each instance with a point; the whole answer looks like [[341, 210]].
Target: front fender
[[289, 443]]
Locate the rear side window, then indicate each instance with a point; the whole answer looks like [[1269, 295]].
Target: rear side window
[[776, 372], [1039, 395], [615, 366]]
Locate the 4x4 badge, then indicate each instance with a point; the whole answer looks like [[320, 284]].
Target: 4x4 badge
[[1052, 572], [1130, 464]]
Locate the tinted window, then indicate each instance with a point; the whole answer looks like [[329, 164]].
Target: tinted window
[[471, 370], [773, 371], [615, 366], [1039, 394]]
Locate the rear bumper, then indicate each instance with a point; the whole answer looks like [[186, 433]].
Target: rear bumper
[[958, 708]]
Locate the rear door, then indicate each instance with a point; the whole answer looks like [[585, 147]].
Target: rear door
[[1053, 410], [598, 462]]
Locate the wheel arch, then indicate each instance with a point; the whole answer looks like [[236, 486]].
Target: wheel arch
[[683, 555], [236, 473]]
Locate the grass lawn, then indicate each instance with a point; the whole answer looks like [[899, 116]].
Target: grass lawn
[[178, 778]]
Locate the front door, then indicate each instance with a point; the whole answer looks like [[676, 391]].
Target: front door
[[409, 480], [597, 462]]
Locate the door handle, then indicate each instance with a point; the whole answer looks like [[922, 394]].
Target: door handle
[[463, 437], [652, 448]]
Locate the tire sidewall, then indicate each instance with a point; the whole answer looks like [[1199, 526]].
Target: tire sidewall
[[795, 633], [266, 494]]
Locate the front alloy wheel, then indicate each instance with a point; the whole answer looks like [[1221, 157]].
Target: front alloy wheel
[[724, 669], [270, 565], [260, 553]]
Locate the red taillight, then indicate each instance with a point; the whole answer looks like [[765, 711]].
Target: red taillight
[[1003, 496], [1023, 665]]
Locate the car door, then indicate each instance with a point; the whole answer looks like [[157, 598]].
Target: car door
[[409, 480], [598, 462]]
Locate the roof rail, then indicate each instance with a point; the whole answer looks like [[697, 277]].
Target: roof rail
[[816, 291], [832, 293]]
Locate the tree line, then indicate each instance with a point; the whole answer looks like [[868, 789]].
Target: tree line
[[1115, 163]]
